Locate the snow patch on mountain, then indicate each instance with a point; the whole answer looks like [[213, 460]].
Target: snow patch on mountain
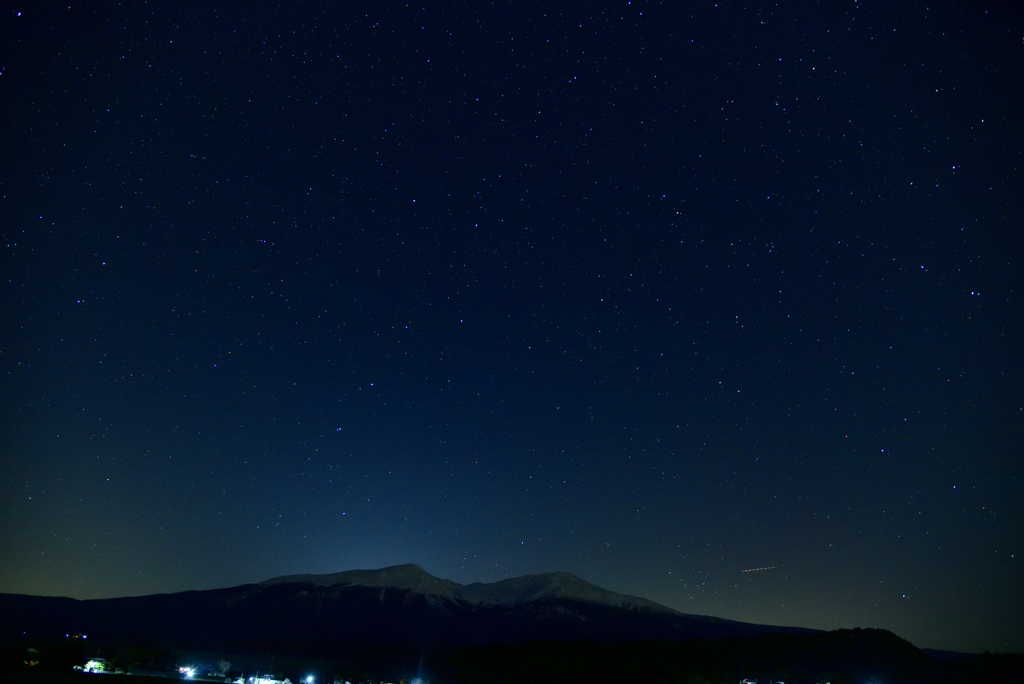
[[509, 592]]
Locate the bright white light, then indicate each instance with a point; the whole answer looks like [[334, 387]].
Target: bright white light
[[95, 666]]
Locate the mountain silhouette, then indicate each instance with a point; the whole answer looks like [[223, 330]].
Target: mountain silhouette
[[399, 605]]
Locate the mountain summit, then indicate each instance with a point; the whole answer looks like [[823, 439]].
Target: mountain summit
[[409, 577], [509, 592], [400, 605]]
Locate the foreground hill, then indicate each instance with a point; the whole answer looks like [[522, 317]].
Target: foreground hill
[[401, 605]]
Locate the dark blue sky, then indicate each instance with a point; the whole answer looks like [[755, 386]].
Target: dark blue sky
[[657, 296]]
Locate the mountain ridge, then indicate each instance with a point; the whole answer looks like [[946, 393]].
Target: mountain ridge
[[398, 605], [510, 591]]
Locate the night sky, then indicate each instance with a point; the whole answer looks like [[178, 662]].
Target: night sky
[[717, 305]]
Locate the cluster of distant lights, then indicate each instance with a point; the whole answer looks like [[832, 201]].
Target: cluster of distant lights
[[190, 673]]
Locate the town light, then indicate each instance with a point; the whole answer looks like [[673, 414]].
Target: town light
[[96, 665]]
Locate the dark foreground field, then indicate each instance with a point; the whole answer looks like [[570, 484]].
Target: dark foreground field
[[840, 657]]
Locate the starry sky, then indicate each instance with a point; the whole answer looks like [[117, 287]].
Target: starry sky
[[715, 303]]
